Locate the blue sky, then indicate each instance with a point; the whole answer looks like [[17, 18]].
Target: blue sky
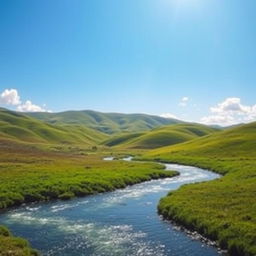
[[195, 59]]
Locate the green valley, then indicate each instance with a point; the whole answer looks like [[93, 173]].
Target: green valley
[[45, 156], [127, 128]]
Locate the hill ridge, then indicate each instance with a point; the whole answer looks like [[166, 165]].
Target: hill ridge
[[109, 122], [19, 126]]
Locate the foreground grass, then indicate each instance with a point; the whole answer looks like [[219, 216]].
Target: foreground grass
[[14, 246], [29, 175], [224, 209]]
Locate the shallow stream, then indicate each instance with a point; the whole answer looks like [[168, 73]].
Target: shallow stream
[[120, 223]]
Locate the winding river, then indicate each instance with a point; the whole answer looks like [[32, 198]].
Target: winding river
[[120, 223]]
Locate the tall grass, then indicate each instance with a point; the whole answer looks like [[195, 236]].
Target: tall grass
[[14, 246]]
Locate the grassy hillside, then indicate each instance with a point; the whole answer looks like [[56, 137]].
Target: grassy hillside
[[109, 123], [159, 137], [119, 140], [20, 127], [224, 209], [238, 141]]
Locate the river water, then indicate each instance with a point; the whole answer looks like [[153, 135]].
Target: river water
[[120, 223]]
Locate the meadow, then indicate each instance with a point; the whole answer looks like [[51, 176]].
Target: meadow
[[224, 209], [29, 174], [34, 172]]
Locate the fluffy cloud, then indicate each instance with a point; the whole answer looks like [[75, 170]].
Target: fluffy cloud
[[10, 97], [231, 105], [28, 106], [230, 111], [184, 102], [218, 119], [168, 115]]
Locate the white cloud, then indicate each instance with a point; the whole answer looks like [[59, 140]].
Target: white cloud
[[10, 97], [184, 101], [230, 111], [168, 115], [218, 119], [231, 105], [28, 106]]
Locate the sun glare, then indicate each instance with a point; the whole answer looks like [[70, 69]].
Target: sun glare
[[179, 8], [183, 3]]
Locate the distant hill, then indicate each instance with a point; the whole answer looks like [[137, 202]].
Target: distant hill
[[17, 126], [109, 123], [159, 137], [240, 141]]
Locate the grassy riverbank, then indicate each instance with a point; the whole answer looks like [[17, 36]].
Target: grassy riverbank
[[29, 174], [14, 246], [224, 209]]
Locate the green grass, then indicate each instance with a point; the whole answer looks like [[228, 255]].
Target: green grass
[[20, 127], [110, 123], [14, 246], [29, 174], [121, 139], [224, 209], [159, 137]]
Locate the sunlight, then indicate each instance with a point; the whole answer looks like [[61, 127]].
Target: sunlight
[[185, 3], [178, 7]]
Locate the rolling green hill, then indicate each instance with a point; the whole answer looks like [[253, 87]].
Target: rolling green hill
[[238, 141], [109, 123], [21, 127], [224, 209], [159, 137]]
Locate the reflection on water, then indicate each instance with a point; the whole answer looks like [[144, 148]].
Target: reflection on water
[[109, 158], [119, 223]]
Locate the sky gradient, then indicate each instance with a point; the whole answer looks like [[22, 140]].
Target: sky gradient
[[194, 59]]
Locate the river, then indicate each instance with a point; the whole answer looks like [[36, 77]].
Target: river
[[120, 223]]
